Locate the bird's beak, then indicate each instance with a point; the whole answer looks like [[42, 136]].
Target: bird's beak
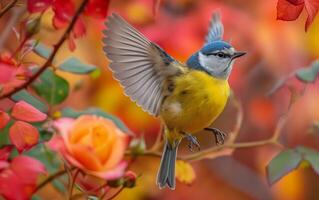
[[238, 54]]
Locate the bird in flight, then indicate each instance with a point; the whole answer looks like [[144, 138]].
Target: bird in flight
[[187, 97]]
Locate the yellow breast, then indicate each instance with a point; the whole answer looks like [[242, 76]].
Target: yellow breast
[[196, 101]]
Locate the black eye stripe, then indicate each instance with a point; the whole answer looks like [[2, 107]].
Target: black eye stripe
[[219, 54]]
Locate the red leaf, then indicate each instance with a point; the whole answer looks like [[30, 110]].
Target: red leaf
[[27, 168], [79, 29], [26, 112], [11, 188], [4, 119], [296, 2], [3, 165], [312, 7], [63, 12], [11, 74], [5, 152], [97, 8], [38, 5], [287, 11], [23, 135], [18, 181], [71, 43]]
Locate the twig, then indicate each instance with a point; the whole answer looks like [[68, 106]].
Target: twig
[[230, 144], [7, 7], [49, 179], [73, 182], [54, 52], [158, 142]]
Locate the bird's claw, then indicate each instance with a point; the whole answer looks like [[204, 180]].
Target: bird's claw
[[193, 143], [220, 136]]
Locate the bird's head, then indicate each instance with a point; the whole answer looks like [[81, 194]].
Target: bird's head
[[216, 57]]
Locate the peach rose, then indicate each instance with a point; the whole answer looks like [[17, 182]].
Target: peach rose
[[94, 144]]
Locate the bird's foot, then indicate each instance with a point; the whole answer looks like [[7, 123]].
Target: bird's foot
[[220, 136], [193, 143]]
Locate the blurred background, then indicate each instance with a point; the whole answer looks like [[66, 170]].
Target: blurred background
[[275, 49]]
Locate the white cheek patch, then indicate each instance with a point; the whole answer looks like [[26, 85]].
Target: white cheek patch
[[211, 63], [175, 108]]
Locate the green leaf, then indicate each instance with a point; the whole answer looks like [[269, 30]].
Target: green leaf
[[27, 97], [309, 74], [46, 156], [42, 50], [311, 156], [52, 163], [69, 112], [4, 134], [75, 66], [53, 88], [96, 73], [59, 186], [36, 197], [282, 164]]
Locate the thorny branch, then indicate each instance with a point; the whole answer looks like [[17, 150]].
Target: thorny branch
[[53, 54], [5, 9]]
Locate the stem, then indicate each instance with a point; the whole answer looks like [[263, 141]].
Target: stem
[[54, 52], [7, 7], [158, 142], [49, 179], [73, 182]]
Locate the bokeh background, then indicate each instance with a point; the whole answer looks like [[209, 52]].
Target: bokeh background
[[275, 49]]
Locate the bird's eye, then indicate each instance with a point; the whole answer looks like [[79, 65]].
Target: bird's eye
[[221, 55]]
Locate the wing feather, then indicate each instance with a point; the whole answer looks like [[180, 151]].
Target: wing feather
[[139, 65]]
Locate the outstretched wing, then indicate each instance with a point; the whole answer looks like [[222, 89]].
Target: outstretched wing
[[139, 65], [216, 29]]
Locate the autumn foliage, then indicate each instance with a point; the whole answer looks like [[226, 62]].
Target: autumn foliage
[[65, 124]]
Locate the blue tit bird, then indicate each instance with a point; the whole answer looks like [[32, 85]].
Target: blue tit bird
[[186, 97]]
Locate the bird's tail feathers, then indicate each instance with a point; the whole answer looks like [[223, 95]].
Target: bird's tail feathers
[[166, 173]]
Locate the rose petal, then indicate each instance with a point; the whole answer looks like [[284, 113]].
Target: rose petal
[[118, 150], [56, 143], [86, 157], [63, 125], [112, 174]]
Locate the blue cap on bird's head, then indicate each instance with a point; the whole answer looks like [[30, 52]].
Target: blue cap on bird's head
[[216, 56]]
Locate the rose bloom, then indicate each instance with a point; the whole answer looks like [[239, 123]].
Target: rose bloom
[[94, 144]]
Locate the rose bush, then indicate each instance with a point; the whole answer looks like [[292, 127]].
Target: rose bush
[[93, 144]]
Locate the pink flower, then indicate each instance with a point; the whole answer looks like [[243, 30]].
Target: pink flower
[[94, 144]]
